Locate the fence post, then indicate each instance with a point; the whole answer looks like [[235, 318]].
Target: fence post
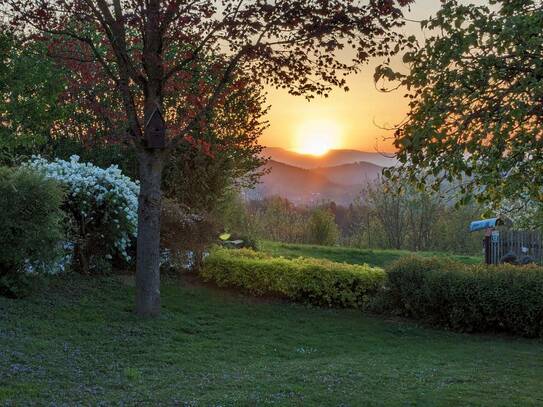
[[488, 249]]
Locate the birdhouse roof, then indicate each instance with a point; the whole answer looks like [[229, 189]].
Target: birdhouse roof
[[153, 115]]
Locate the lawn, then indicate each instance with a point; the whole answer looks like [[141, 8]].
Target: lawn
[[373, 257], [76, 342]]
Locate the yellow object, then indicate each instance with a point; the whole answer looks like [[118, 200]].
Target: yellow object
[[225, 236]]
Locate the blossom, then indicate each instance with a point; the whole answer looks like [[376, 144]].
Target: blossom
[[103, 198]]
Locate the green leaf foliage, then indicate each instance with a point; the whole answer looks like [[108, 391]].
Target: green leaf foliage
[[468, 298], [475, 90], [30, 225], [313, 281], [30, 86], [322, 228]]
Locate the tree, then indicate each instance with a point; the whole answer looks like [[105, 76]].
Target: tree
[[388, 205], [322, 227], [30, 85], [422, 210], [280, 220], [475, 92], [291, 44], [200, 180]]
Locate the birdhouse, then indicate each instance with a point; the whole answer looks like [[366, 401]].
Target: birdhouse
[[155, 131]]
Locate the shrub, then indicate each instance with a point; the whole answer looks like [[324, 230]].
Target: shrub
[[319, 282], [185, 236], [30, 227], [102, 205], [469, 298], [102, 155], [322, 228]]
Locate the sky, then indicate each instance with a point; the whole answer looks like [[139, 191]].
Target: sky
[[351, 120]]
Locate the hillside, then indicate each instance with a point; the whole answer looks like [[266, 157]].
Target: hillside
[[359, 173], [296, 184], [305, 186], [351, 255], [331, 159]]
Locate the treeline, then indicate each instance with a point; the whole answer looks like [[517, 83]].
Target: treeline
[[382, 217]]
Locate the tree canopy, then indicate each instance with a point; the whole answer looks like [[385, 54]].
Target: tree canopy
[[30, 86], [475, 91], [148, 51]]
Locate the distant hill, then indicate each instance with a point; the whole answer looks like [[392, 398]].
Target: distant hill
[[359, 173], [331, 159], [296, 184], [305, 186]]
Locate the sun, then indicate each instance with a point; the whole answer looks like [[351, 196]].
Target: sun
[[317, 137]]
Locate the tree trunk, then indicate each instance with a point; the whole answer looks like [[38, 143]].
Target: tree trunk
[[148, 251], [81, 249], [81, 257]]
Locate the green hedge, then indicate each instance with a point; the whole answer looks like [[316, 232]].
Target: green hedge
[[319, 282], [467, 298], [443, 292]]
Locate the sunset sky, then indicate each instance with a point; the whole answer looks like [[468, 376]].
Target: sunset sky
[[344, 120]]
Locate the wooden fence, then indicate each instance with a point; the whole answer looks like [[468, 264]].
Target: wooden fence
[[519, 243]]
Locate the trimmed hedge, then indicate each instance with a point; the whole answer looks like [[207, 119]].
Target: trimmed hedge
[[319, 282], [442, 292], [468, 298]]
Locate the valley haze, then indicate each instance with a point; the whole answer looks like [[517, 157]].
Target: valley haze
[[339, 175]]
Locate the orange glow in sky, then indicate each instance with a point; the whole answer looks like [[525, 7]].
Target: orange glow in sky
[[317, 136], [358, 119]]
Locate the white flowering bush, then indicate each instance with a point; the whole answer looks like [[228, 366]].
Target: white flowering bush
[[102, 205]]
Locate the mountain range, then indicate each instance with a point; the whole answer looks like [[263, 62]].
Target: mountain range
[[338, 176], [330, 159]]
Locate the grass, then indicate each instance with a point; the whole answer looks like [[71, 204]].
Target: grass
[[77, 343], [373, 257]]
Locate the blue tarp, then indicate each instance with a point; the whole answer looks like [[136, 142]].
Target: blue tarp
[[484, 224]]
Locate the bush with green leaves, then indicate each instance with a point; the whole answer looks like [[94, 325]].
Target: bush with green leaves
[[30, 228], [102, 205], [322, 228], [468, 298], [314, 281]]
